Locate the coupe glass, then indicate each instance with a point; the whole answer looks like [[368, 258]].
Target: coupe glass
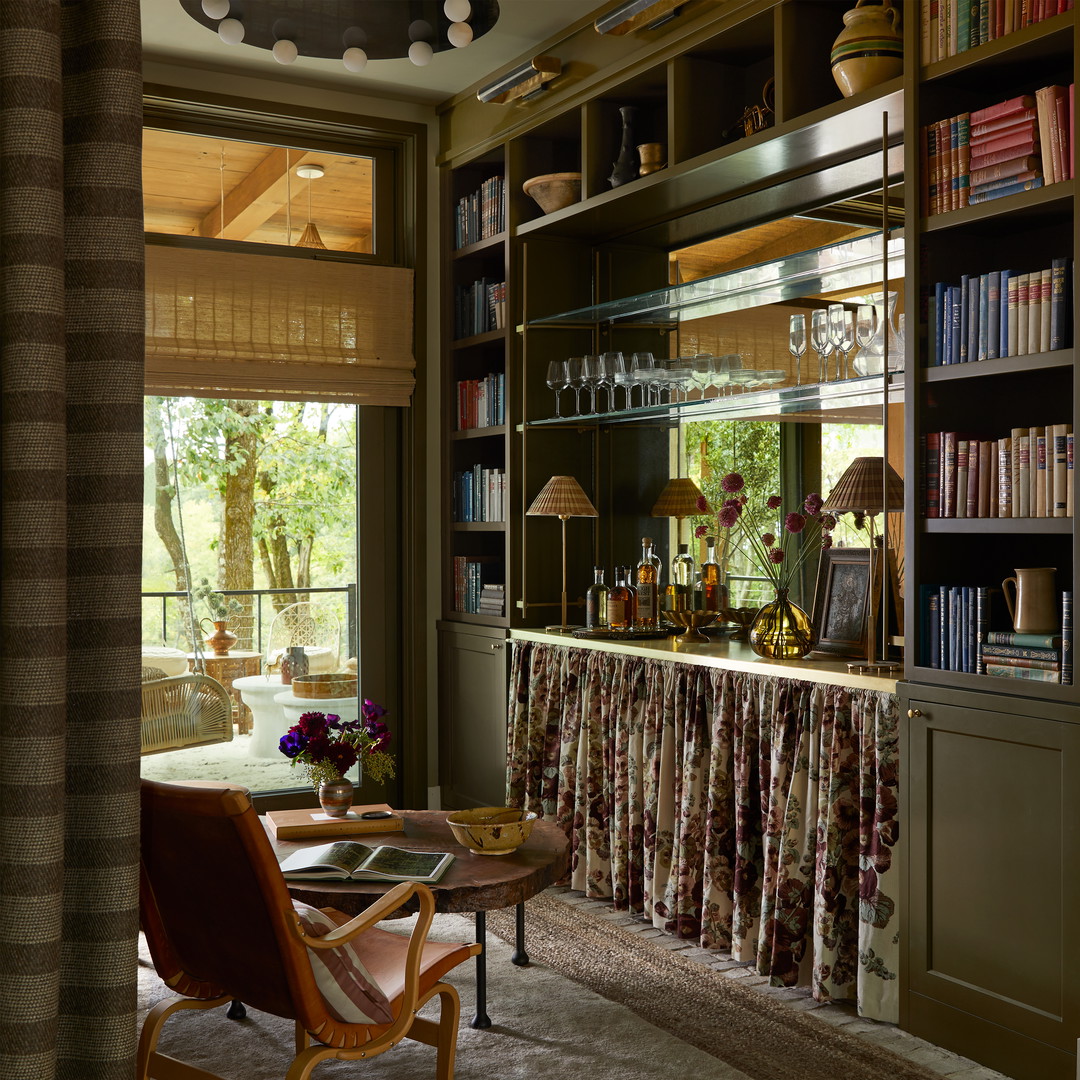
[[797, 343], [558, 379]]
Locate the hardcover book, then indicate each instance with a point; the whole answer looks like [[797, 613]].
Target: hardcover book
[[295, 824], [1008, 671], [1066, 637], [349, 860]]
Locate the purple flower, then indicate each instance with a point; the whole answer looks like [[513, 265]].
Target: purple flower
[[700, 531], [773, 502], [776, 555], [794, 522], [733, 482], [768, 539], [371, 711], [728, 516], [813, 504], [292, 743], [702, 504]]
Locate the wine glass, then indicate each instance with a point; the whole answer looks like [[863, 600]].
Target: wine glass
[[590, 378], [643, 367], [558, 379], [623, 376], [574, 377], [836, 334], [703, 372], [797, 343], [847, 341], [865, 329], [819, 339], [609, 365]]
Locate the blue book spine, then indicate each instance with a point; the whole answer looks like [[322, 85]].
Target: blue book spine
[[933, 635], [940, 321], [1003, 315], [971, 647], [956, 300], [965, 301], [962, 646], [1066, 638], [977, 196], [984, 320], [1059, 304], [955, 656], [993, 314], [973, 317], [944, 622]]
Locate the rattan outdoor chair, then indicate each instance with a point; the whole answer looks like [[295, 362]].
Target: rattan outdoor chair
[[184, 710]]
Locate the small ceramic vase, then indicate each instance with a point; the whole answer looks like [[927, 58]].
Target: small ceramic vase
[[335, 796], [294, 662], [870, 48], [221, 640], [652, 158]]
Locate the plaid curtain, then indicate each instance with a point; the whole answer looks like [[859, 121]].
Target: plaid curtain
[[71, 365]]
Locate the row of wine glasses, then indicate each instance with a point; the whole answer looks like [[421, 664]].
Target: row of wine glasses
[[836, 331], [657, 381]]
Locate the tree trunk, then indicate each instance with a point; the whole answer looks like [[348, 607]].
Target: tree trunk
[[238, 545], [164, 493]]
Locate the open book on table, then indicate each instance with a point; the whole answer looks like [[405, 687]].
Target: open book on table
[[348, 860]]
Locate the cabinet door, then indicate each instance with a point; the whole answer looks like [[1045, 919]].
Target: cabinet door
[[993, 833], [472, 717]]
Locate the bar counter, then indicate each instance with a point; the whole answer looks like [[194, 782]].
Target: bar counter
[[738, 802]]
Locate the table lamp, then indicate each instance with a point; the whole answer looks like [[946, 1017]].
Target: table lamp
[[869, 486], [563, 498], [681, 498]]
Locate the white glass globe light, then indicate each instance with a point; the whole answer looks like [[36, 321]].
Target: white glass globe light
[[459, 34], [285, 51], [231, 31], [457, 10], [354, 59], [216, 9], [420, 53]]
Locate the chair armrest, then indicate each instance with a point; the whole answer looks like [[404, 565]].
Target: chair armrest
[[386, 905]]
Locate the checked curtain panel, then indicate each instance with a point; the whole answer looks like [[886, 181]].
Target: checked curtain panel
[[747, 812]]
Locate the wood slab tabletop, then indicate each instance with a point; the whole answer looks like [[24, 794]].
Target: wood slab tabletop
[[472, 883]]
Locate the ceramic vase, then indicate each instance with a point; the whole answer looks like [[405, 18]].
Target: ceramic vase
[[294, 662], [336, 796], [1032, 601], [781, 630], [221, 640], [870, 48], [625, 168]]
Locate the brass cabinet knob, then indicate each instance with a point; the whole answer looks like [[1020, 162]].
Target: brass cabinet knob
[[912, 713], [496, 646]]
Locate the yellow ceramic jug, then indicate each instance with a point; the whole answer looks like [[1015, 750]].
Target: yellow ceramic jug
[[870, 48]]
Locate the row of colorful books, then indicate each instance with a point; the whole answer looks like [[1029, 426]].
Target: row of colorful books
[[481, 402], [957, 636], [479, 494], [480, 307], [1027, 474], [471, 574], [481, 213], [1015, 145], [1001, 313], [948, 27]]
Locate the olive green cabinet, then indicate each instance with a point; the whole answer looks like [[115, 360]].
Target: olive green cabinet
[[472, 715], [991, 816]]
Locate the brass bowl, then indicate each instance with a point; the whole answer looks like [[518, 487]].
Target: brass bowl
[[553, 191], [691, 622], [491, 830], [743, 618]]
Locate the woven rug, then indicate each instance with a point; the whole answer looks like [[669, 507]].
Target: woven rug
[[759, 1036]]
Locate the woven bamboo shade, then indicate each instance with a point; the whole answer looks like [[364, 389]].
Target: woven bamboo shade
[[679, 499], [562, 497], [859, 489], [231, 324]]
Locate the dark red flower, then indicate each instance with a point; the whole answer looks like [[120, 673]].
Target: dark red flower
[[794, 522], [728, 516], [813, 504], [312, 724], [733, 482], [768, 539], [776, 555], [702, 504], [700, 531], [773, 502]]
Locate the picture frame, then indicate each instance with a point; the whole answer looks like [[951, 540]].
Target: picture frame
[[842, 601]]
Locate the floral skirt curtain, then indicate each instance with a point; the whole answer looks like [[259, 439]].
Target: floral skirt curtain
[[748, 812]]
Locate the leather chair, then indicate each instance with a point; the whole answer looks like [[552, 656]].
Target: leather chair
[[205, 854]]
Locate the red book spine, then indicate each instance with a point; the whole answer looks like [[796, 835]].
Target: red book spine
[[1017, 135], [933, 474], [1004, 123], [948, 474], [1003, 108], [1064, 133], [972, 508], [996, 157], [1012, 167]]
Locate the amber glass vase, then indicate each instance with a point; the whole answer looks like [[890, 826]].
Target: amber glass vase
[[781, 630]]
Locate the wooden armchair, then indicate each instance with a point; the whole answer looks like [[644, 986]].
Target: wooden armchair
[[205, 852], [183, 710]]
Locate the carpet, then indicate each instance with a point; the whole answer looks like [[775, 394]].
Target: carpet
[[761, 1037]]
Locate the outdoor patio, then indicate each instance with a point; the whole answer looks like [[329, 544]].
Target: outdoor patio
[[230, 761]]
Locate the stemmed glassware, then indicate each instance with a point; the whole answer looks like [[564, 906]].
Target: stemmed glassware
[[819, 339], [609, 366], [558, 379], [590, 378], [574, 378], [703, 373], [841, 337], [865, 329], [623, 376], [643, 368], [797, 343]]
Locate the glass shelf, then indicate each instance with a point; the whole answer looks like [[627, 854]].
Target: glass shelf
[[856, 401], [845, 266]]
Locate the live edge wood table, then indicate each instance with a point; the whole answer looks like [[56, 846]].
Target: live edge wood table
[[476, 883]]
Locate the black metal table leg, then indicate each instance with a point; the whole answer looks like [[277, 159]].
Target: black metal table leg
[[520, 957], [236, 1010], [481, 1019]]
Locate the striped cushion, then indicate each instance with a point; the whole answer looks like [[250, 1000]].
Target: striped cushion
[[351, 994]]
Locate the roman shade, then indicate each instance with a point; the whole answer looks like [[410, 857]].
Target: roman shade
[[240, 325]]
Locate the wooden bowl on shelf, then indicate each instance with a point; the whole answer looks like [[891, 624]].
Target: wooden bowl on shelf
[[334, 685], [553, 191]]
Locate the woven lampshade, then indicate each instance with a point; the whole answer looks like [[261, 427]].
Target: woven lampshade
[[859, 489], [310, 237], [562, 497], [679, 499]]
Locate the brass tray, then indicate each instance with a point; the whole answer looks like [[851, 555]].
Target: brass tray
[[621, 635]]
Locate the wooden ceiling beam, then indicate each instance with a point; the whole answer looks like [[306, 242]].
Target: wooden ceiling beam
[[256, 198]]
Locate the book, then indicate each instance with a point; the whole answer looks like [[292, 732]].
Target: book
[[1060, 462], [296, 824], [1066, 637], [349, 860], [932, 458], [1060, 306], [999, 189], [1010, 107], [1022, 652], [1036, 641], [984, 596], [1009, 671], [1029, 662]]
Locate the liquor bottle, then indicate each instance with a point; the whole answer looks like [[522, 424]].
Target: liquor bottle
[[647, 583], [596, 600], [679, 595], [621, 601], [713, 590]]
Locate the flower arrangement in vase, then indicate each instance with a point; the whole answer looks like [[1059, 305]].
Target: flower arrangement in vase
[[781, 629]]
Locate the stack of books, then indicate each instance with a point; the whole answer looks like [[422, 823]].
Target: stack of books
[[948, 27], [1026, 474], [492, 600], [1011, 146]]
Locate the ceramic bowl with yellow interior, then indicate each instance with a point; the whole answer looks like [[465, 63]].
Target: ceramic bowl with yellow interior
[[491, 830]]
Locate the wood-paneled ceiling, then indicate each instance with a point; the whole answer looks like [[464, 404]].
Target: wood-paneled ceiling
[[196, 185]]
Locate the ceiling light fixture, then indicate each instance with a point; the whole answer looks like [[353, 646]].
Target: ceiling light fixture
[[310, 237], [354, 31], [637, 15], [523, 82]]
